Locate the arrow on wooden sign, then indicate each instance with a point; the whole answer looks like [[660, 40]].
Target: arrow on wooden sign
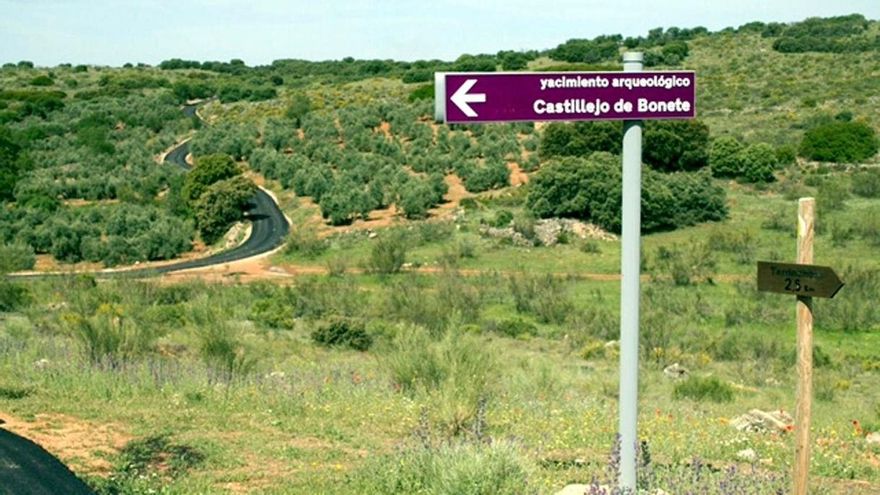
[[798, 280]]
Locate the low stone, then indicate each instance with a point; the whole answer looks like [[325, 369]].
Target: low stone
[[372, 235], [675, 371], [873, 438], [573, 490], [42, 364], [748, 455], [757, 420]]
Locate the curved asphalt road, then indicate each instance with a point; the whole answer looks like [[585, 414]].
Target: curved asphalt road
[[269, 228]]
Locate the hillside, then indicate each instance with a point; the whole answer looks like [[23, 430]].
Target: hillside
[[444, 315]]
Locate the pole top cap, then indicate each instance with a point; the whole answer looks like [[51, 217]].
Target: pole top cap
[[633, 56]]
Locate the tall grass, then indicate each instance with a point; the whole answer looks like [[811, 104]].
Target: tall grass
[[456, 373], [451, 469], [226, 358], [544, 296], [855, 308], [109, 337], [388, 254]]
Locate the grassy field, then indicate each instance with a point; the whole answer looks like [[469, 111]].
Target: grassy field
[[499, 352], [431, 356]]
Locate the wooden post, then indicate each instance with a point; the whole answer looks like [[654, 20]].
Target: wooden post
[[806, 221]]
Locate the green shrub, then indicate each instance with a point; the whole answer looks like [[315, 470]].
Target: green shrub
[[591, 190], [42, 80], [786, 155], [855, 308], [458, 296], [13, 296], [343, 332], [304, 241], [222, 204], [16, 257], [408, 301], [840, 141], [524, 224], [431, 232], [866, 183], [110, 338], [833, 193], [676, 145], [502, 219], [543, 296], [272, 312], [424, 92], [590, 246], [686, 265], [208, 170], [455, 373], [779, 220], [753, 163], [226, 358], [839, 34], [580, 138], [388, 254], [14, 393], [724, 156], [758, 161], [702, 389], [513, 327], [841, 233], [741, 244]]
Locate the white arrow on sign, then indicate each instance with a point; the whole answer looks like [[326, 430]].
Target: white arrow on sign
[[461, 98]]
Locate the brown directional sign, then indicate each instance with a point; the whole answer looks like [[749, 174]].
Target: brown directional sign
[[798, 280]]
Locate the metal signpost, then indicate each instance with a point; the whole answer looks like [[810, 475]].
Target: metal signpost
[[806, 281], [631, 96]]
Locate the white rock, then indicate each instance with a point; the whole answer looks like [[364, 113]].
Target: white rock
[[758, 420], [579, 489], [748, 455], [873, 438], [42, 364], [574, 490], [675, 370]]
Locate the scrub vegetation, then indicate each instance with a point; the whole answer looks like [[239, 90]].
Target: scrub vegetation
[[451, 325]]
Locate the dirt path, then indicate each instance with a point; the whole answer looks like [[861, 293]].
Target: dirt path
[[84, 445]]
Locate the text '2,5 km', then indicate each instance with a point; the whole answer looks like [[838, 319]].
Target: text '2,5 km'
[[797, 279]]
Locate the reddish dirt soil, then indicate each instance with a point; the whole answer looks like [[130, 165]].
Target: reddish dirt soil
[[517, 176], [83, 445]]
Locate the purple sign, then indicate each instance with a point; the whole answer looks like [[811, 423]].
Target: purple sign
[[539, 96]]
